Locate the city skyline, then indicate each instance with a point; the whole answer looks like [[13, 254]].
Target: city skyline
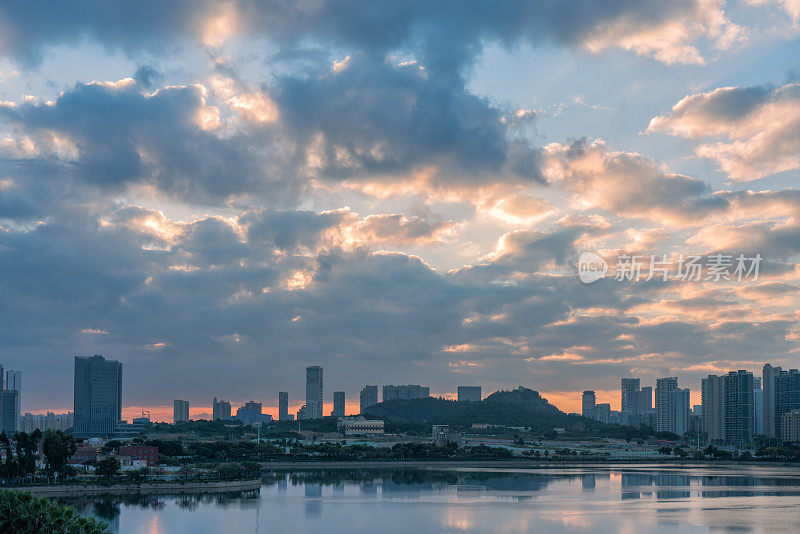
[[630, 390], [216, 194]]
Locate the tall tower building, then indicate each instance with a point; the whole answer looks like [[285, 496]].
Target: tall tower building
[[787, 396], [14, 383], [314, 389], [368, 397], [629, 401], [338, 404], [588, 405], [180, 411], [97, 396], [645, 399], [220, 409], [672, 406], [283, 406], [769, 383], [758, 406], [739, 420], [712, 391]]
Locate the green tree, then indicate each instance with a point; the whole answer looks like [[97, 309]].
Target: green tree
[[108, 467], [9, 468], [27, 447], [58, 448], [22, 513]]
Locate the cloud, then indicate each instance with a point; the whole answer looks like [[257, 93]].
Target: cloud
[[376, 122], [112, 135], [445, 36], [753, 131], [626, 184]]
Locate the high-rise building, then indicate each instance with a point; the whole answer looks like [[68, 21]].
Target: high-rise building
[[672, 406], [790, 426], [629, 401], [391, 392], [788, 395], [645, 399], [14, 383], [368, 397], [283, 406], [314, 392], [769, 382], [220, 409], [8, 411], [338, 404], [469, 393], [251, 412], [602, 412], [712, 391], [98, 396], [588, 404], [758, 406], [739, 420], [180, 411]]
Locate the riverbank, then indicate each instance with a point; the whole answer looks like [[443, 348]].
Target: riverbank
[[80, 490], [514, 464]]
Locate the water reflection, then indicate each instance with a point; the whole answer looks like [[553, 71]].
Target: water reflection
[[581, 499]]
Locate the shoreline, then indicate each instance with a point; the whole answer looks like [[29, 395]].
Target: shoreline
[[147, 488], [510, 464]]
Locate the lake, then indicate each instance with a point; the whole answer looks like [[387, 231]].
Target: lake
[[631, 499]]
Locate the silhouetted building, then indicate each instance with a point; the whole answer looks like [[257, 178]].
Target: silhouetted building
[[469, 393], [98, 396], [180, 411], [314, 390], [629, 401], [14, 383], [8, 411], [391, 392], [645, 399], [338, 404], [602, 412], [283, 406], [220, 410], [251, 412], [368, 397], [588, 404]]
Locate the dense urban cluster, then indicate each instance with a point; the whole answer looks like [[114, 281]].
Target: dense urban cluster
[[735, 407]]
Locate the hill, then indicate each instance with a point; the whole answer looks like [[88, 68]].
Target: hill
[[522, 407]]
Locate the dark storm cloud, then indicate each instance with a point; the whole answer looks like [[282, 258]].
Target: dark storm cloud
[[377, 118], [447, 34], [124, 136]]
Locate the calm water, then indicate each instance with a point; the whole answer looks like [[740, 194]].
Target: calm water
[[595, 500]]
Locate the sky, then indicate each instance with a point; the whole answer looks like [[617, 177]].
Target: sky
[[218, 194]]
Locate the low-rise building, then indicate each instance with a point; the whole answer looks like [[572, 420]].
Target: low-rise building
[[140, 452], [358, 425], [441, 435]]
